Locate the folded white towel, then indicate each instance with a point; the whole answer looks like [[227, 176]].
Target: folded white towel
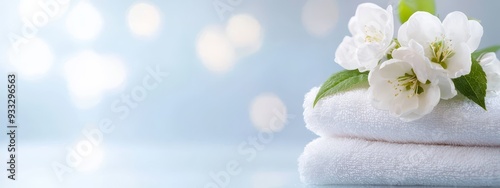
[[456, 121], [360, 162]]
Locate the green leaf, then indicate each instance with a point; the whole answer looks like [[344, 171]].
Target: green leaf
[[341, 81], [478, 53], [473, 85], [408, 7]]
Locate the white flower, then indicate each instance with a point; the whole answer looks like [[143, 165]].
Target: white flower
[[372, 29], [491, 66], [448, 44], [405, 88], [423, 68], [395, 87]]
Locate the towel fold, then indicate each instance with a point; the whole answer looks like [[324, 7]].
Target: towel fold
[[360, 162], [456, 121]]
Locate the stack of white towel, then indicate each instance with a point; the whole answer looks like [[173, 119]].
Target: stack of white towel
[[458, 144]]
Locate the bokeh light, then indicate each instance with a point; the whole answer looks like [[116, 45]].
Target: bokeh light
[[115, 72], [31, 59], [268, 113], [319, 17], [84, 74], [84, 22], [215, 50], [144, 19], [89, 74], [28, 7], [244, 30]]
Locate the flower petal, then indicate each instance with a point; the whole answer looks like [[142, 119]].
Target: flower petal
[[403, 38], [476, 33], [389, 29], [456, 25], [491, 66], [371, 13], [414, 54], [446, 87], [424, 28], [380, 95], [381, 91], [460, 63], [345, 55], [353, 26], [369, 55], [426, 102], [402, 105], [393, 68]]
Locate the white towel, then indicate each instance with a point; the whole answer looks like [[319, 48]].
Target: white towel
[[457, 121], [360, 162]]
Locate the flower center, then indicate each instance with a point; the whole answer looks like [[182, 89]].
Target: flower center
[[407, 83], [373, 34], [441, 51]]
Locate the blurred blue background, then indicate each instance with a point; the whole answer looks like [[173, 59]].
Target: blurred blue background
[[237, 73]]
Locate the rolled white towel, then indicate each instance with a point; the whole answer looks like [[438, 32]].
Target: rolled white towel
[[360, 162], [456, 121]]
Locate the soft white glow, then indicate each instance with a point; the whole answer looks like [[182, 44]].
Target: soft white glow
[[114, 72], [215, 50], [268, 113], [84, 73], [28, 7], [144, 19], [89, 75], [84, 22], [244, 31], [93, 161], [320, 16], [32, 59], [33, 9]]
